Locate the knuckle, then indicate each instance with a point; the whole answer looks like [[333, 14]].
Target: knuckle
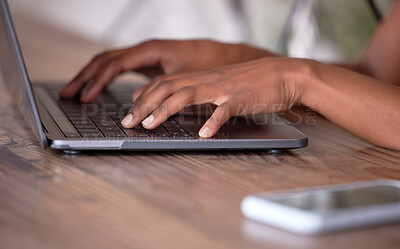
[[97, 57], [158, 79], [153, 43], [101, 56], [224, 111], [186, 92], [106, 53], [230, 109], [185, 96], [164, 86], [225, 92], [114, 65], [228, 105]]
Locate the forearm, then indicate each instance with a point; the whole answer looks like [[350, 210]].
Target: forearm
[[381, 58], [362, 105]]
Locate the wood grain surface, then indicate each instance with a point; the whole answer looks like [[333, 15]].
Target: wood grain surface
[[163, 200]]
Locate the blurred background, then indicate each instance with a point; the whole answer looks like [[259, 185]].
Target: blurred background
[[327, 30]]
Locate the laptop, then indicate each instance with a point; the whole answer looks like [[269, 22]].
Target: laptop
[[73, 127]]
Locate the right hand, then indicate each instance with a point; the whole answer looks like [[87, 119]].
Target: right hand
[[169, 56]]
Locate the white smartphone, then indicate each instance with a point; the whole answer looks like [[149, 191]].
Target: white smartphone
[[328, 208]]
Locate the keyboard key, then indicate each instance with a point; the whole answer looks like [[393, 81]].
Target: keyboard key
[[117, 117], [158, 134], [92, 135], [135, 133], [78, 118], [91, 126], [134, 128], [81, 122], [113, 134], [74, 108], [105, 114], [169, 124], [179, 134], [111, 109], [90, 109], [157, 129], [72, 135], [112, 128], [104, 118], [74, 111], [106, 124], [93, 130]]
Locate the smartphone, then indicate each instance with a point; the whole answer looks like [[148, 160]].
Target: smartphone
[[327, 209]]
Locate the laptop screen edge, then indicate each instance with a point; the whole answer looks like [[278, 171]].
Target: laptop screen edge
[[15, 76]]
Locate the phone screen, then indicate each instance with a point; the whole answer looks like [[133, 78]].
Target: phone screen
[[324, 201]]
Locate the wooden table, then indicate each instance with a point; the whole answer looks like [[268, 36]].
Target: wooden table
[[162, 200]]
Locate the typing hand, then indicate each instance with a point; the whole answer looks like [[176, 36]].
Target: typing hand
[[169, 56], [261, 86]]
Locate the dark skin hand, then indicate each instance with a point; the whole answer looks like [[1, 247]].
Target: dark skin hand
[[169, 56], [224, 87], [363, 98]]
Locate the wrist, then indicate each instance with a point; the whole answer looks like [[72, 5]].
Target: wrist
[[305, 81]]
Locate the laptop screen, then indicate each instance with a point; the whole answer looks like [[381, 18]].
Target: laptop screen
[[14, 73]]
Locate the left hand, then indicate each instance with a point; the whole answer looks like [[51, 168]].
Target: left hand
[[265, 85]]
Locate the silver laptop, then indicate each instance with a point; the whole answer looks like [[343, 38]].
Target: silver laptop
[[71, 126]]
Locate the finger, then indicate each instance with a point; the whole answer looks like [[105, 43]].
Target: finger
[[204, 76], [148, 88], [147, 54], [192, 95], [222, 114], [147, 104], [120, 64], [151, 72], [161, 92], [87, 73], [138, 92], [199, 110]]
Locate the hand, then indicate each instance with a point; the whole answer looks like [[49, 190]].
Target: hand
[[169, 56], [265, 85]]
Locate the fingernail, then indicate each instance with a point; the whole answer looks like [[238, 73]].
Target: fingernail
[[205, 132], [127, 120], [148, 120]]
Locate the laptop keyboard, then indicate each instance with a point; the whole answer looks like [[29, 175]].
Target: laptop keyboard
[[102, 119]]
